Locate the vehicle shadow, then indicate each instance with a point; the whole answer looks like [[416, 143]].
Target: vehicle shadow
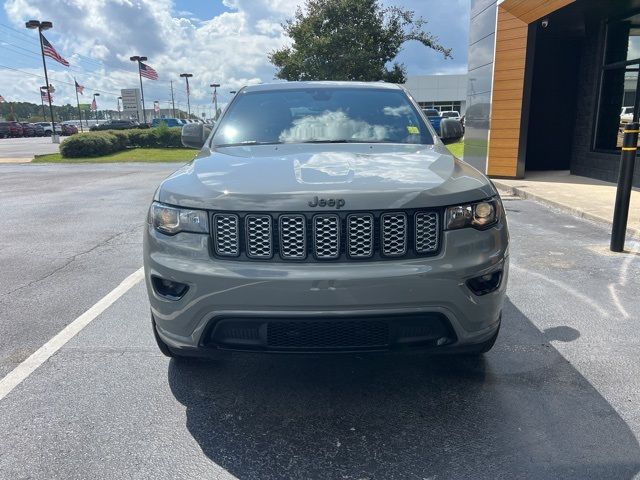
[[522, 411]]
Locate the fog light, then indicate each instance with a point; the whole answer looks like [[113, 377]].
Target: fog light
[[485, 283], [169, 289]]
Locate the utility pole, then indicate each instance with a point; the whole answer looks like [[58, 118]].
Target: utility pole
[[33, 24], [186, 76], [173, 103]]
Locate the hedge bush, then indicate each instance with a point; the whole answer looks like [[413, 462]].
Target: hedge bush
[[89, 145], [94, 144]]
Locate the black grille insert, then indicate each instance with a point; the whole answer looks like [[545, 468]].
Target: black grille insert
[[331, 335], [294, 334]]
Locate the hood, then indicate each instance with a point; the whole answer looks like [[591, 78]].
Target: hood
[[297, 177]]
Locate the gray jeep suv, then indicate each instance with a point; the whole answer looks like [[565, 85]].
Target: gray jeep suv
[[324, 217]]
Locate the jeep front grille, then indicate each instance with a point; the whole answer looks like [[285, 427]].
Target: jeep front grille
[[394, 234], [259, 236], [226, 238], [293, 237], [427, 232], [360, 235], [326, 236]]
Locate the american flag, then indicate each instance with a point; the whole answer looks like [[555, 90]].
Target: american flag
[[46, 97], [49, 51], [94, 105], [2, 100], [147, 72], [79, 88]]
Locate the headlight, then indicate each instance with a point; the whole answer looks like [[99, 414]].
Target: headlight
[[477, 215], [172, 220]]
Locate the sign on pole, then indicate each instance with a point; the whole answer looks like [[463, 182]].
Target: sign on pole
[[131, 103]]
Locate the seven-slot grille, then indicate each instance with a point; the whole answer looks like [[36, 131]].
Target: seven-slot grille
[[326, 236]]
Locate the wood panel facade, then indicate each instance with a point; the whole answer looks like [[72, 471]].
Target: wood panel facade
[[505, 154]]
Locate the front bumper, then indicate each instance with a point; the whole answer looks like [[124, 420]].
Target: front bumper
[[428, 288]]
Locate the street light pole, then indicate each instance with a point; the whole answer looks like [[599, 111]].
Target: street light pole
[[137, 58], [215, 98], [94, 101], [36, 24], [44, 114], [173, 103], [186, 76], [119, 109]]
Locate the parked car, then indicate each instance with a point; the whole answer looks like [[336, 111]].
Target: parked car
[[450, 114], [626, 115], [38, 129], [48, 129], [170, 122], [68, 129], [434, 118], [114, 125], [15, 129], [324, 217], [5, 131], [27, 130]]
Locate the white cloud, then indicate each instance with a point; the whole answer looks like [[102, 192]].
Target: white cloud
[[230, 49]]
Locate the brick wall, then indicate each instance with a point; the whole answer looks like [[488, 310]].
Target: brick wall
[[584, 161]]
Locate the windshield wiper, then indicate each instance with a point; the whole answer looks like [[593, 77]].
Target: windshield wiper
[[343, 140], [246, 143]]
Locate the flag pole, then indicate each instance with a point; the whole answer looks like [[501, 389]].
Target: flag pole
[[173, 103], [46, 79], [144, 114], [78, 100]]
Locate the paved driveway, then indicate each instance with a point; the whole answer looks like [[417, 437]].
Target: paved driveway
[[557, 397], [26, 148]]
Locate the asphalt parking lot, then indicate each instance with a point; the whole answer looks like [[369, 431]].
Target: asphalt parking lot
[[557, 397], [26, 148]]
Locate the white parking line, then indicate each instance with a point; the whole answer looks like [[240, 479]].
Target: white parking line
[[28, 366]]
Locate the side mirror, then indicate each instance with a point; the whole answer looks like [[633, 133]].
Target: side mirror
[[194, 135], [451, 130]]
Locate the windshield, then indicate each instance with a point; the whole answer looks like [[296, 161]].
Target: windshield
[[322, 115], [450, 114]]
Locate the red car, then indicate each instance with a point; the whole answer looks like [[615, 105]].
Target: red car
[[28, 130], [15, 129], [68, 129]]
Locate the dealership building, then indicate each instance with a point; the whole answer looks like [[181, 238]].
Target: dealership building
[[442, 92], [546, 85]]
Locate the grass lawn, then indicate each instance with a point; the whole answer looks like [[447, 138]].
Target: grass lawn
[[133, 155], [457, 148]]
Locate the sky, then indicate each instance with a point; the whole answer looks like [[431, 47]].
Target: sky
[[218, 41]]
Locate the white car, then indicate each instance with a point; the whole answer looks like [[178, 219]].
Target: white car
[[626, 115], [450, 114]]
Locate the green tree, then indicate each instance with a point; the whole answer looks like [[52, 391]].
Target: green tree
[[350, 40]]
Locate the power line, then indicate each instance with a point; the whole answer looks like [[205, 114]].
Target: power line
[[57, 80]]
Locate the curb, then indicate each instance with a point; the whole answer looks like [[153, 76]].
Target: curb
[[17, 160], [576, 212]]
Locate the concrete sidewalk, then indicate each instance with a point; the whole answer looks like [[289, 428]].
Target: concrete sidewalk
[[580, 196]]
